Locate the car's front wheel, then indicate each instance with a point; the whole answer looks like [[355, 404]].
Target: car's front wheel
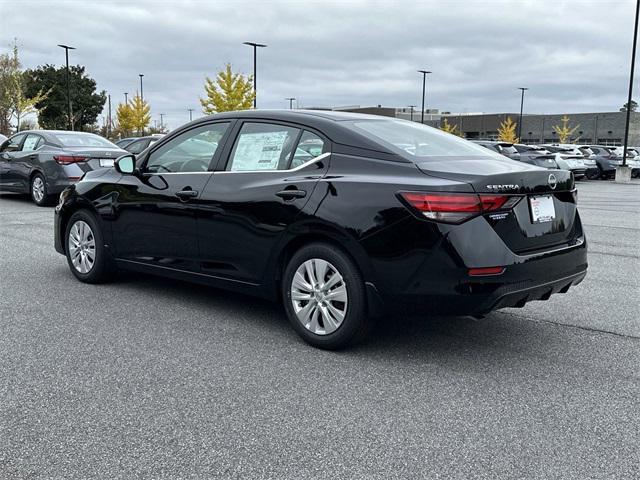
[[84, 247], [324, 297]]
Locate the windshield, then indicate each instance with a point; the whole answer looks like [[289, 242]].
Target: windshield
[[82, 140], [419, 141]]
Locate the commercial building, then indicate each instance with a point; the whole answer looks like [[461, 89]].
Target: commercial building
[[605, 128]]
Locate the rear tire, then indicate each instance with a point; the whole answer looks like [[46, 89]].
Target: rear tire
[[38, 191], [324, 297], [84, 249]]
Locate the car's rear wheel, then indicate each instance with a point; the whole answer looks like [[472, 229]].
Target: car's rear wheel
[[39, 193], [84, 247], [324, 297]]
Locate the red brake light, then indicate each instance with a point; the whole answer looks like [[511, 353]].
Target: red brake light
[[457, 207], [68, 159], [478, 272]]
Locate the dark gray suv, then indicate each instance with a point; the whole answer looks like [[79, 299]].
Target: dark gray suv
[[42, 163]]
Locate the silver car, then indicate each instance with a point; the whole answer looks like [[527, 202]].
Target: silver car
[[42, 163]]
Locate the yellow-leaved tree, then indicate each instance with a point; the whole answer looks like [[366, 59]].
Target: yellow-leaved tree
[[124, 116], [140, 114], [229, 91], [507, 131], [447, 127], [564, 131]]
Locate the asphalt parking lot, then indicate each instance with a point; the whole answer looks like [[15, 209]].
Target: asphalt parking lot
[[151, 378]]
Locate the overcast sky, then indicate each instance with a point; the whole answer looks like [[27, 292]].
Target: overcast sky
[[573, 55]]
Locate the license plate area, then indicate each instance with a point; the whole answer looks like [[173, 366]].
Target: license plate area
[[542, 209], [106, 162]]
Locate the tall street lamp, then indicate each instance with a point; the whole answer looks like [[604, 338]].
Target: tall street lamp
[[161, 120], [190, 113], [141, 92], [411, 107], [125, 98], [70, 110], [628, 120], [255, 47], [424, 85], [291, 99], [521, 107]]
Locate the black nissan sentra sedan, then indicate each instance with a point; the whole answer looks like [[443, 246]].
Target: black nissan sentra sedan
[[340, 216]]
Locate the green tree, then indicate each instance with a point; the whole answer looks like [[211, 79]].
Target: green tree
[[634, 106], [10, 72], [230, 91], [564, 131], [87, 102], [507, 131], [140, 116]]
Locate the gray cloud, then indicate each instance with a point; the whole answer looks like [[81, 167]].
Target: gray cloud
[[574, 55]]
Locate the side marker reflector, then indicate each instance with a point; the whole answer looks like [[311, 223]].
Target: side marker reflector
[[479, 272]]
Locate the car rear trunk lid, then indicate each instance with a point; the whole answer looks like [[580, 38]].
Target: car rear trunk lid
[[545, 216]]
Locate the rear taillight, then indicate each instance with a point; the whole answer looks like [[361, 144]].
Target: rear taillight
[[68, 159], [457, 207]]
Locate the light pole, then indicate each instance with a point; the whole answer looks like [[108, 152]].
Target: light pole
[[141, 92], [424, 85], [412, 107], [255, 89], [628, 120], [161, 120], [291, 99], [125, 98], [521, 107], [190, 113], [70, 109]]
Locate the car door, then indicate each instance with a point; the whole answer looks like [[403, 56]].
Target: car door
[[8, 174], [270, 172], [156, 208], [25, 160]]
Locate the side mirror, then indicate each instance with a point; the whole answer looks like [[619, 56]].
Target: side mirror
[[126, 164]]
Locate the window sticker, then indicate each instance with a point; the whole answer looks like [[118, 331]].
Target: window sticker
[[259, 151]]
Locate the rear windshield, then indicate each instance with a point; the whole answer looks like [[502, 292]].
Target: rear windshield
[[419, 142], [82, 140], [508, 149]]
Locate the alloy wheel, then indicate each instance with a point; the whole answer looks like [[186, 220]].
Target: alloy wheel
[[319, 296], [82, 246], [37, 189]]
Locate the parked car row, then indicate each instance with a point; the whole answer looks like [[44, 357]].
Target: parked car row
[[590, 161]]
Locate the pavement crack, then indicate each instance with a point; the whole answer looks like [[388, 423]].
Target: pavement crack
[[579, 327]]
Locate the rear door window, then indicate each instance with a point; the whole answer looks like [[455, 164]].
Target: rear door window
[[263, 147], [31, 143]]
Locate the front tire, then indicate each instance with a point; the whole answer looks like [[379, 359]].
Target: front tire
[[84, 248], [324, 297]]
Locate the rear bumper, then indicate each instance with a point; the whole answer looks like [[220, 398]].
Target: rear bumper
[[536, 279]]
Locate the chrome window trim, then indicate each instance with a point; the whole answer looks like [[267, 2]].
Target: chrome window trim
[[299, 167]]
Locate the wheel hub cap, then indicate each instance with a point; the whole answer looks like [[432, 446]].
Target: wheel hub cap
[[82, 246], [319, 296], [38, 189]]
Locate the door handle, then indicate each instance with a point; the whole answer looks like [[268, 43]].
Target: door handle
[[186, 194], [291, 194]]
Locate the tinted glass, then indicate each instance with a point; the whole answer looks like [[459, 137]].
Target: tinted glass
[[137, 146], [191, 151], [419, 142], [13, 143], [31, 142], [508, 149], [263, 146], [82, 140], [309, 147]]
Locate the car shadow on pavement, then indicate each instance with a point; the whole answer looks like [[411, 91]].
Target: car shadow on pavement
[[425, 338]]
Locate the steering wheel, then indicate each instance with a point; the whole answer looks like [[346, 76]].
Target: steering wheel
[[195, 165], [162, 166]]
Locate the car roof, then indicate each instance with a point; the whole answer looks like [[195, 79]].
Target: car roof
[[329, 123]]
